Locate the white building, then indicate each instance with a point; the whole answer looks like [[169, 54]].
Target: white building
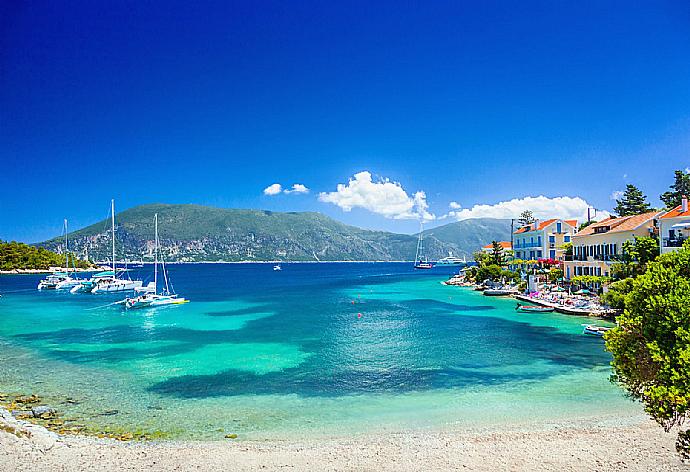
[[674, 227], [543, 239], [600, 245]]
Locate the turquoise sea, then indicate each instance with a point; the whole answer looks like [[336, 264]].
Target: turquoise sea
[[316, 349]]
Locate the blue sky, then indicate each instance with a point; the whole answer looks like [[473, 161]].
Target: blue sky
[[212, 102]]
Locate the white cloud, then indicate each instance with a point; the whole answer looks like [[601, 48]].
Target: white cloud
[[273, 189], [382, 197], [454, 206], [297, 188], [617, 194], [543, 208]]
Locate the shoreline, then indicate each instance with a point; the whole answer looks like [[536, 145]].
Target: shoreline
[[637, 446]]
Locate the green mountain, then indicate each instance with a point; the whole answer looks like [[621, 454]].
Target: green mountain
[[467, 236], [200, 233]]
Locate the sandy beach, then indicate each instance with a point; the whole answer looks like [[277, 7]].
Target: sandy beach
[[638, 447]]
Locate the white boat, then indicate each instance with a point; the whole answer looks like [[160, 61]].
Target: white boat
[[86, 286], [500, 292], [116, 285], [421, 262], [52, 281], [60, 280], [277, 267], [150, 296], [594, 330], [451, 261], [111, 283]]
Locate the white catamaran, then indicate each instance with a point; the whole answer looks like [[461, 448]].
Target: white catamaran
[[106, 282], [151, 297], [61, 280]]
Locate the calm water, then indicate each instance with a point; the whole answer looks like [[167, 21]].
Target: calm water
[[283, 354]]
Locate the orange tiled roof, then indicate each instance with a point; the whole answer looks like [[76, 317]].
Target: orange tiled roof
[[503, 244], [623, 223], [676, 212], [544, 224]]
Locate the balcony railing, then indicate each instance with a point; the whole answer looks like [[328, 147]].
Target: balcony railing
[[526, 245], [674, 242], [597, 257]]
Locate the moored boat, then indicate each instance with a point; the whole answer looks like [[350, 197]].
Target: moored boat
[[499, 292], [419, 261], [61, 280], [52, 281], [86, 286], [534, 308], [114, 284], [594, 330], [450, 261], [151, 298]]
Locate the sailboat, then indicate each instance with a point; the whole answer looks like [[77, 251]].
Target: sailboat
[[419, 262], [60, 280], [106, 282], [150, 296]]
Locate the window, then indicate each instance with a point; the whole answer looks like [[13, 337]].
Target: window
[[552, 238], [566, 238], [559, 227], [552, 254]]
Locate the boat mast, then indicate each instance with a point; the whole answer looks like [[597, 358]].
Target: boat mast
[[112, 216], [66, 250], [155, 260], [419, 243], [165, 272]]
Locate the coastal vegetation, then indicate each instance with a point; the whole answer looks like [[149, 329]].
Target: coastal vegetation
[[491, 266], [14, 256], [651, 344]]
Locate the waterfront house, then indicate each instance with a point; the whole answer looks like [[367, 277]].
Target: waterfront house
[[543, 239], [599, 245], [504, 244], [674, 227]]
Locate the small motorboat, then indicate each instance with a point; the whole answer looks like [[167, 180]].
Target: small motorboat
[[423, 265], [499, 292], [534, 308], [277, 267], [594, 330]]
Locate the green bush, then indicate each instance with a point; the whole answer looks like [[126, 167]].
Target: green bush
[[615, 296], [651, 344]]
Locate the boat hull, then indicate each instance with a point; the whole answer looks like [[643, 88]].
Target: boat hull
[[499, 293], [534, 309], [117, 286], [153, 301]]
